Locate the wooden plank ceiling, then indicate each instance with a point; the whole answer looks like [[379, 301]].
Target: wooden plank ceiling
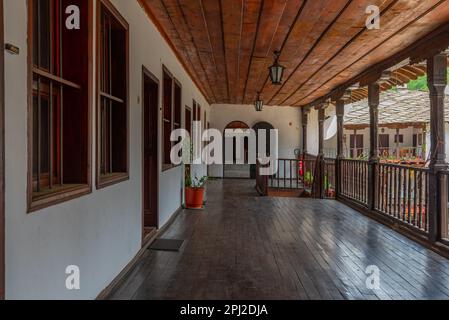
[[227, 45]]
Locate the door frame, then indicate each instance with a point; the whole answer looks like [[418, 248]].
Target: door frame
[[149, 74], [2, 156], [244, 125], [256, 128]]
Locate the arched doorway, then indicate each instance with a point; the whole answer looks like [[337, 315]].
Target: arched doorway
[[258, 127], [236, 170]]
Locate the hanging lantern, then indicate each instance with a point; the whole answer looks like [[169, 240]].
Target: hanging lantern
[[259, 103], [276, 70]]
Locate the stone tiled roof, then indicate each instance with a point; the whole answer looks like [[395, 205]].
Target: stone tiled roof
[[401, 106]]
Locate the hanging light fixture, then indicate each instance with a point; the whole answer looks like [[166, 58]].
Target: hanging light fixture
[[276, 70], [259, 103]]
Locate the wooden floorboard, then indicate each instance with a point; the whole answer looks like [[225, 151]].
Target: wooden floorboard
[[243, 246]]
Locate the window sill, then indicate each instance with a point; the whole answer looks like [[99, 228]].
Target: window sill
[[108, 180], [49, 198]]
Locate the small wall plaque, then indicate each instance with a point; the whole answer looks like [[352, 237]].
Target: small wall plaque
[[12, 49]]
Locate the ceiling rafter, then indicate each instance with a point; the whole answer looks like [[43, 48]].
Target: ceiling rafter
[[226, 45], [330, 25], [173, 8], [434, 7], [210, 76], [170, 36], [351, 41], [283, 15]]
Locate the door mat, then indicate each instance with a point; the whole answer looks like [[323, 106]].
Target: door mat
[[166, 245]]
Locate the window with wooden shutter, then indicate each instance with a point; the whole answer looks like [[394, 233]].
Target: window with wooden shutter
[[60, 91]]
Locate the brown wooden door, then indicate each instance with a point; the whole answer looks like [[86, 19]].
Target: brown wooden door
[[150, 152]]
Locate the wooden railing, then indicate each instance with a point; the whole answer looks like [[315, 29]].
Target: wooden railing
[[354, 180], [402, 192], [288, 175], [444, 181], [330, 178]]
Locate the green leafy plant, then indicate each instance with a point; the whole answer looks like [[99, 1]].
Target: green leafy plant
[[196, 183], [308, 178]]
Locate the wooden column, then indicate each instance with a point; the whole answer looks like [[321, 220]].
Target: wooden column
[[340, 112], [437, 81], [373, 102], [321, 119], [305, 122], [398, 156], [320, 162], [424, 143]]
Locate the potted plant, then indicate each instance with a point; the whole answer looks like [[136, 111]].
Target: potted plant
[[195, 192]]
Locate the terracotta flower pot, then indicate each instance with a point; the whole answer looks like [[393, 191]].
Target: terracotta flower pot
[[194, 198]]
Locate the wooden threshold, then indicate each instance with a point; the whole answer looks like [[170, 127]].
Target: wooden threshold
[[287, 193]]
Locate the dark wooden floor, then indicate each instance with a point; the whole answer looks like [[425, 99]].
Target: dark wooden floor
[[247, 247]]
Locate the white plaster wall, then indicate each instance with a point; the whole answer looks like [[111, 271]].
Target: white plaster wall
[[407, 133], [286, 119], [312, 133], [100, 232]]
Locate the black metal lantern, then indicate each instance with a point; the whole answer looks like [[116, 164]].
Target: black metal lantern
[[276, 70], [259, 103]]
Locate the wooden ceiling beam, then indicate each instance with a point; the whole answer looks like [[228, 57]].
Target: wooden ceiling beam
[[177, 18], [252, 14], [193, 16], [417, 19], [157, 13], [432, 41], [355, 35], [398, 74], [226, 45], [275, 27], [232, 11], [213, 20], [304, 40]]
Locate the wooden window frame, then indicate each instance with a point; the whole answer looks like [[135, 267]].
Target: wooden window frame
[[187, 108], [195, 110], [70, 192], [175, 82], [115, 178]]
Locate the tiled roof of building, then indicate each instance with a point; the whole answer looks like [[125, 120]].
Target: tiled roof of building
[[401, 106]]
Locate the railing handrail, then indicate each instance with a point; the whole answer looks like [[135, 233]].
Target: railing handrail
[[354, 160], [403, 166]]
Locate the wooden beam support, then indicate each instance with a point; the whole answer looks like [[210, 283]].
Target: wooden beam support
[[320, 176], [398, 156], [340, 112], [321, 119], [437, 82], [373, 102], [305, 122]]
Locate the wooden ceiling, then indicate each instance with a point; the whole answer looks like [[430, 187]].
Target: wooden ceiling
[[227, 45]]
